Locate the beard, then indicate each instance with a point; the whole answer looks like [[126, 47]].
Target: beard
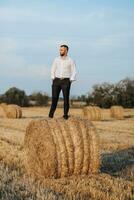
[[62, 54]]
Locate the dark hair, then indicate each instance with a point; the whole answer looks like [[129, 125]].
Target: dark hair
[[63, 45]]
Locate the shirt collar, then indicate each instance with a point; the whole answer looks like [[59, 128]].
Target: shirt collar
[[65, 58]]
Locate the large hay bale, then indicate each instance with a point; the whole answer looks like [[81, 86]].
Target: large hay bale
[[2, 112], [12, 111], [93, 113], [18, 110], [3, 104], [58, 148], [117, 112]]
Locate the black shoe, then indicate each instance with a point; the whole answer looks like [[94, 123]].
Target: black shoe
[[65, 116], [50, 116]]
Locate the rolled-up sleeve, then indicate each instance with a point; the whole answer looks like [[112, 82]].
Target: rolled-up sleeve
[[53, 68], [73, 71]]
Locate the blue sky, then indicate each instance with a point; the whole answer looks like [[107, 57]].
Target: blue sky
[[100, 35]]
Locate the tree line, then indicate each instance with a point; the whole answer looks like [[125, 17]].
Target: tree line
[[107, 94], [19, 97], [104, 95]]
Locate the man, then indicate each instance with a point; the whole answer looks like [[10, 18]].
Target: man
[[63, 73]]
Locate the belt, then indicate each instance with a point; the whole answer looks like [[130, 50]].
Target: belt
[[62, 78]]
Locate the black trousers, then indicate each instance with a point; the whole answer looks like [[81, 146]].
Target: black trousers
[[57, 86]]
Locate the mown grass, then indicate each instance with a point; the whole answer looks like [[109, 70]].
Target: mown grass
[[114, 182]]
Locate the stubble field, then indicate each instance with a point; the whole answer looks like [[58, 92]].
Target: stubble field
[[115, 180]]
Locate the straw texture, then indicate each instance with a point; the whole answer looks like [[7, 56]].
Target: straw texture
[[57, 148], [12, 111], [93, 113], [117, 112]]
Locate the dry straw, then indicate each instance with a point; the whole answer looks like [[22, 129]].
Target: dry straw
[[117, 112], [11, 111], [57, 148], [93, 113]]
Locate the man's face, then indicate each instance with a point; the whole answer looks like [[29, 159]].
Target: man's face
[[63, 51]]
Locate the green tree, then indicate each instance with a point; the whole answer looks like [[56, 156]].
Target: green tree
[[125, 93], [106, 94], [102, 95], [15, 96], [40, 98]]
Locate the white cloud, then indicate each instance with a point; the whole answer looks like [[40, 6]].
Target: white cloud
[[37, 71], [7, 45], [115, 40], [10, 14], [8, 60], [17, 14], [23, 15], [13, 64], [26, 71]]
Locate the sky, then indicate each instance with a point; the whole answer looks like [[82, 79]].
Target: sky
[[99, 33]]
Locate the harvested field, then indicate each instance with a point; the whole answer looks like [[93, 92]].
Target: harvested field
[[115, 181]]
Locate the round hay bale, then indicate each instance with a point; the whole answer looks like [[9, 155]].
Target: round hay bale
[[2, 112], [18, 110], [117, 112], [3, 104], [57, 148], [12, 111], [93, 113]]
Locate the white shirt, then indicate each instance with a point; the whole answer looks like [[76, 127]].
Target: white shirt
[[63, 68]]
